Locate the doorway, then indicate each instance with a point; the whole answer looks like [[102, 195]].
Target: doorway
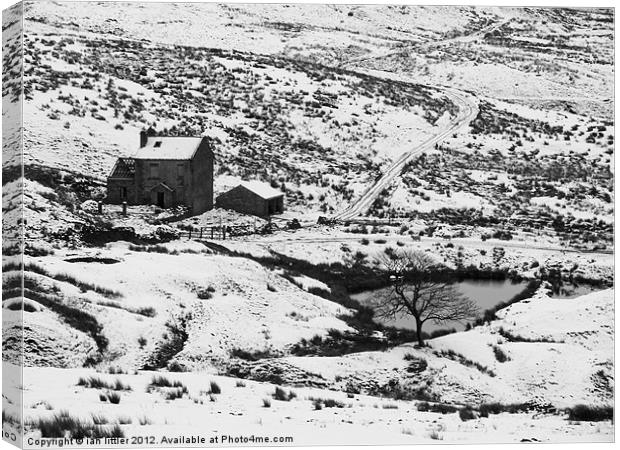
[[160, 200]]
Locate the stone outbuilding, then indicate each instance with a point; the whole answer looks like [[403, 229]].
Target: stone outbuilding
[[252, 197]]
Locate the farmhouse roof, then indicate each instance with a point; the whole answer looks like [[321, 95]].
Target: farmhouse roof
[[169, 147], [124, 168], [261, 189]]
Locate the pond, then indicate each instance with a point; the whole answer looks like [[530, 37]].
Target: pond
[[486, 294], [569, 290]]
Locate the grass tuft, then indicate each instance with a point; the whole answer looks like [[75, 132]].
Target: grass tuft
[[161, 381], [98, 383], [64, 425]]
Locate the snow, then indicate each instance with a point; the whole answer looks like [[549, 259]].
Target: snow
[[536, 371], [261, 189], [239, 411], [175, 148], [248, 307], [226, 301]]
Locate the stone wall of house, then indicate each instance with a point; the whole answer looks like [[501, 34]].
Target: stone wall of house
[[200, 189], [114, 191], [168, 173]]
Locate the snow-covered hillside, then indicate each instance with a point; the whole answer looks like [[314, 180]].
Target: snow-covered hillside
[[321, 117], [541, 337], [481, 137], [190, 303]]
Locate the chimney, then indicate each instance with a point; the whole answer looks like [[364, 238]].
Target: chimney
[[143, 138]]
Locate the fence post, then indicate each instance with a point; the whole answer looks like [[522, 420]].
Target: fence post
[[190, 233], [223, 233], [211, 233], [201, 232], [100, 207], [124, 208]]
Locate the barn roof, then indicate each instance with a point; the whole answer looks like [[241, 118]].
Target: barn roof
[[261, 189], [169, 147]]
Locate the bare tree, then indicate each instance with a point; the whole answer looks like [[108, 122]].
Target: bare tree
[[416, 290]]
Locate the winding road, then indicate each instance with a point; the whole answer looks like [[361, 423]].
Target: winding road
[[468, 109]]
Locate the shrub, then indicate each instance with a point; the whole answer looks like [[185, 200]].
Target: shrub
[[98, 383], [204, 294], [327, 403], [215, 388], [173, 343], [151, 249], [144, 421], [280, 394], [436, 408], [518, 338], [146, 311], [451, 354], [63, 425], [99, 419], [466, 413], [124, 420], [240, 384], [160, 381], [9, 418], [266, 403], [18, 306], [175, 393], [441, 332], [176, 366], [588, 413], [252, 356], [114, 398], [500, 355], [496, 408], [436, 436], [84, 286]]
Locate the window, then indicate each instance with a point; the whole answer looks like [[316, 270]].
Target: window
[[154, 170], [180, 174], [123, 193], [157, 144]]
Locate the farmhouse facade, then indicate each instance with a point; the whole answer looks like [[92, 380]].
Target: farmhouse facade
[[166, 171], [253, 197]]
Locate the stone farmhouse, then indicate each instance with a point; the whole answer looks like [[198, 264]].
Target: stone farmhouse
[[166, 171]]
